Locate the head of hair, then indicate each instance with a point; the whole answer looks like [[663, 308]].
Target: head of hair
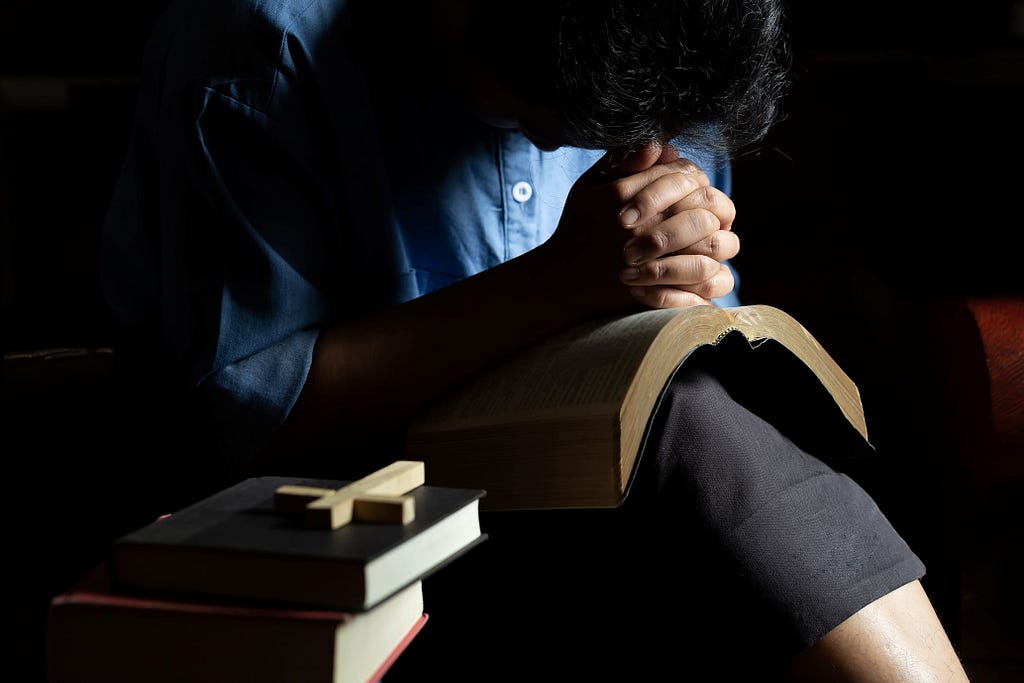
[[622, 73]]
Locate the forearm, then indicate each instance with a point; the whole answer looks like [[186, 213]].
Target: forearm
[[373, 374]]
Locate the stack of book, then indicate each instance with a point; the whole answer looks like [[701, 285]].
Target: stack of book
[[273, 579]]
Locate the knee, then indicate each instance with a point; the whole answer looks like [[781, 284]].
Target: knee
[[707, 450]]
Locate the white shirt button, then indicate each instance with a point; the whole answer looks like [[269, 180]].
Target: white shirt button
[[522, 191]]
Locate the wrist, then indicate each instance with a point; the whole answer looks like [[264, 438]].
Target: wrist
[[562, 284]]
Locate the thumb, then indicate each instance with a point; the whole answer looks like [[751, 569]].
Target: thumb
[[621, 163]]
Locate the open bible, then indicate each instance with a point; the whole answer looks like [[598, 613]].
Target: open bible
[[562, 424]]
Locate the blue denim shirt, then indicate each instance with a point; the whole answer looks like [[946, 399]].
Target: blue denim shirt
[[272, 186]]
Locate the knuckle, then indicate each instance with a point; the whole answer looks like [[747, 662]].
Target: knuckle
[[688, 167], [682, 185], [662, 299], [707, 288], [621, 190], [660, 240], [649, 200], [708, 221], [713, 244], [706, 267], [655, 297], [641, 275], [685, 298], [654, 241], [709, 196], [692, 299], [698, 225]]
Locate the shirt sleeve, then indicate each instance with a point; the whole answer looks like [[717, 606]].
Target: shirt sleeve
[[246, 232]]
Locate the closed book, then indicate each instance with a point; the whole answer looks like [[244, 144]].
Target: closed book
[[98, 634], [235, 545]]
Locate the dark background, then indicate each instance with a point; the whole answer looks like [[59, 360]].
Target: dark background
[[889, 193]]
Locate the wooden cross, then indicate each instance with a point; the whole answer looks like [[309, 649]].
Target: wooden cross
[[377, 497]]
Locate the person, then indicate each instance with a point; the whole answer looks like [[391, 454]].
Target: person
[[332, 212]]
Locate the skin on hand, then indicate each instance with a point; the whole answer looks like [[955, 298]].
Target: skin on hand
[[681, 232], [651, 221]]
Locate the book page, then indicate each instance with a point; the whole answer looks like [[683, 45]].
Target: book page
[[590, 365]]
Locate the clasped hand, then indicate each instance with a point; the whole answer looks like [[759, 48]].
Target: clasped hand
[[646, 228], [681, 231]]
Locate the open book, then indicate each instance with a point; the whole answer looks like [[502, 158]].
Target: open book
[[562, 424]]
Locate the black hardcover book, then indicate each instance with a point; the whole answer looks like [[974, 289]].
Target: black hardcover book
[[234, 545]]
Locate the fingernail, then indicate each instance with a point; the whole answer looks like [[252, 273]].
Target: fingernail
[[630, 274], [629, 216], [632, 255]]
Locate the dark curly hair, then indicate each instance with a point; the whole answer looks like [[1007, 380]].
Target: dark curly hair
[[627, 72]]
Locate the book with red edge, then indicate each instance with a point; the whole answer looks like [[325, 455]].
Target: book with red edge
[[97, 633]]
